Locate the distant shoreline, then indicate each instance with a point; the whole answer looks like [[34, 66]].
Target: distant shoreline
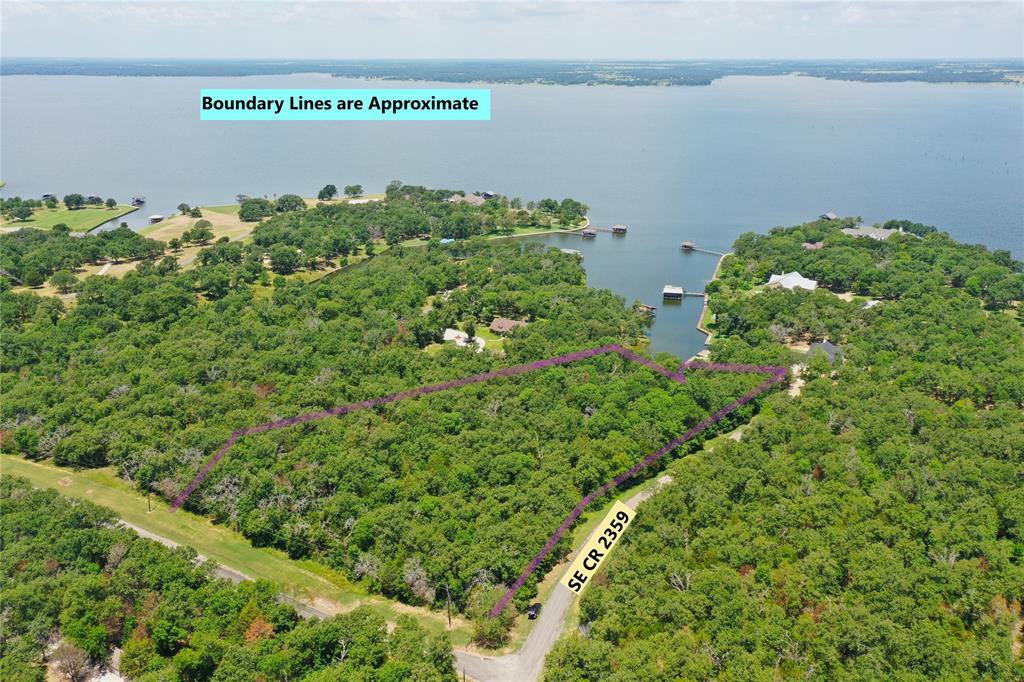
[[624, 73]]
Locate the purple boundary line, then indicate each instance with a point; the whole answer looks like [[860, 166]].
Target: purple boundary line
[[394, 397], [778, 374]]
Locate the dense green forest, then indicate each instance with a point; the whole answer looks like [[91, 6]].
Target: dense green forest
[[871, 528], [30, 256], [77, 586], [435, 500]]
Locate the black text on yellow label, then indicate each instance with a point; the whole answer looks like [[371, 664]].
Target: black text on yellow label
[[597, 547]]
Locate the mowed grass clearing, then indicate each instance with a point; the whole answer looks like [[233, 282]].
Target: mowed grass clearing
[[318, 585], [78, 220], [224, 222]]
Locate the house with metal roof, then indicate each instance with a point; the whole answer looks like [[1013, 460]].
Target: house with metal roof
[[792, 280]]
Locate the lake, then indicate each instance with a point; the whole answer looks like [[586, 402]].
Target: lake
[[687, 163]]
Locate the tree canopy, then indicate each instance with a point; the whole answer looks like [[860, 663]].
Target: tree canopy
[[868, 528]]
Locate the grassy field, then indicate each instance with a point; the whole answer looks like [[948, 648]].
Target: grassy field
[[318, 585], [79, 220]]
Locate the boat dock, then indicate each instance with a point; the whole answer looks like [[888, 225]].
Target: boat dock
[[673, 293], [590, 231], [614, 229], [690, 246]]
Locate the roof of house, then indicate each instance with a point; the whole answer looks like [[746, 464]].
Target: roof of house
[[792, 280], [503, 325], [879, 233], [472, 199], [827, 347], [829, 216], [462, 339], [672, 290], [813, 246]]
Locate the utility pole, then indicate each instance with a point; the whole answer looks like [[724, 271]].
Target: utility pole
[[448, 603]]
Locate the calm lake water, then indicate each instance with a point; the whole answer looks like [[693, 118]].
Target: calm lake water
[[691, 163]]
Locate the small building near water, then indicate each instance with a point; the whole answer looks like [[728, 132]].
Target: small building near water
[[571, 252], [673, 293], [619, 229], [688, 246], [588, 234], [828, 216], [155, 218]]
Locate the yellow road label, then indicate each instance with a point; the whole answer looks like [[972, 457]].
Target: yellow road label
[[597, 547]]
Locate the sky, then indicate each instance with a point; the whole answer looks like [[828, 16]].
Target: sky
[[578, 29]]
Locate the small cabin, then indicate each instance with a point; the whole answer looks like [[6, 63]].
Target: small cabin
[[153, 219], [688, 246], [588, 234], [673, 293], [618, 229], [828, 216], [489, 195]]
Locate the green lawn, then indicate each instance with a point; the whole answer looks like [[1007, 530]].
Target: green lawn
[[709, 319], [229, 209], [306, 580], [79, 220], [491, 340]]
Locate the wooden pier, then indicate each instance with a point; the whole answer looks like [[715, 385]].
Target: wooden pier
[[690, 246], [592, 231]]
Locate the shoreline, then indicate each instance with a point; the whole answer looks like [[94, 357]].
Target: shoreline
[[569, 230], [704, 309]]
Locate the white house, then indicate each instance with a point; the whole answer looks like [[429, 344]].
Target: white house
[[876, 233], [792, 280]]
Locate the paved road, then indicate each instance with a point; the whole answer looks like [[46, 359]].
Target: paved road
[[527, 664], [524, 665], [304, 609]]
